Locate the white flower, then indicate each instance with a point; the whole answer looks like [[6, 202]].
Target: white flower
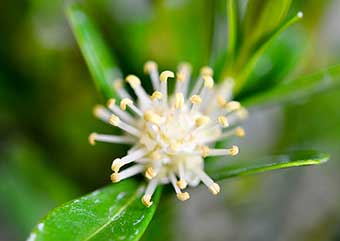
[[171, 136]]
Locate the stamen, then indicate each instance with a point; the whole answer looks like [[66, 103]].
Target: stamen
[[183, 75], [118, 86], [164, 85], [179, 101], [150, 173], [202, 120], [205, 150], [156, 96], [240, 132], [150, 67], [102, 113], [111, 104], [115, 121], [110, 138], [181, 182], [180, 195], [133, 156], [233, 151], [127, 102], [214, 187], [135, 83], [221, 101], [129, 172], [150, 189], [223, 121], [153, 117], [196, 100], [208, 85], [232, 106], [205, 71]]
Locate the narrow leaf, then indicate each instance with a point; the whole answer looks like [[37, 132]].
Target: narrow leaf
[[302, 87], [233, 21], [253, 58], [103, 67], [262, 17], [221, 170], [114, 212]]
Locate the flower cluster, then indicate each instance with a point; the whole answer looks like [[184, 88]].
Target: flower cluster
[[171, 134]]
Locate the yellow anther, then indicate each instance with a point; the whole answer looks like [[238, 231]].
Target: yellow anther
[[223, 121], [201, 121], [183, 196], [125, 102], [165, 75], [152, 117], [116, 166], [146, 200], [92, 138], [179, 101], [115, 177], [232, 105], [156, 95], [196, 99], [215, 188], [110, 102], [206, 71], [234, 150], [184, 65], [208, 81], [240, 132], [118, 84], [150, 173], [181, 183], [114, 120], [133, 80], [180, 76], [149, 66], [205, 151], [97, 110], [221, 101]]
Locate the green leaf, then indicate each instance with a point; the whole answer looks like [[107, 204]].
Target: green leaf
[[248, 60], [103, 67], [114, 212], [263, 16], [294, 89], [233, 25], [220, 170]]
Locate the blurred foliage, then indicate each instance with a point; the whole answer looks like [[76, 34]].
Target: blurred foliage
[[46, 89]]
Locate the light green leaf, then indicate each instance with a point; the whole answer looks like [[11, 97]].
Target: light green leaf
[[103, 67], [233, 26], [262, 17], [220, 170], [302, 87], [114, 212]]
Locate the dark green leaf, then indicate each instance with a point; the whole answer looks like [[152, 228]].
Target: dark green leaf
[[277, 63], [298, 88], [114, 212], [247, 60], [98, 57], [221, 170]]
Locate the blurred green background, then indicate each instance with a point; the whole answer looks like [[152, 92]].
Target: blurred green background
[[47, 95]]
